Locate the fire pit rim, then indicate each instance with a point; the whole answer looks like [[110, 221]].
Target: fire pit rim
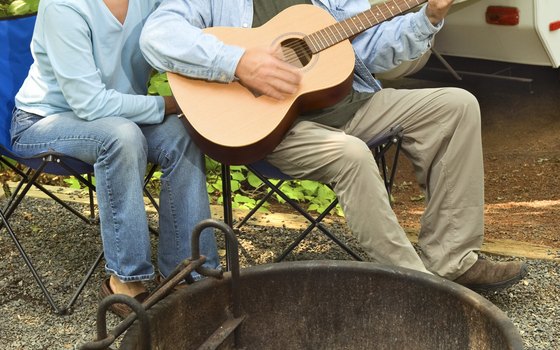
[[495, 314]]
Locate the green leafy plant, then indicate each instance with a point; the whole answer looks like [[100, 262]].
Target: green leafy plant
[[242, 185], [18, 7], [159, 85], [74, 183]]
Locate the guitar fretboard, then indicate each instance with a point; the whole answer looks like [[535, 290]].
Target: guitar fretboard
[[343, 30]]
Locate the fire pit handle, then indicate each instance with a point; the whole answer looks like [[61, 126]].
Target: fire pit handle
[[104, 340], [231, 242], [233, 255]]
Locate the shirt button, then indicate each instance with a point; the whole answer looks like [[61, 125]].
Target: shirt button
[[245, 25]]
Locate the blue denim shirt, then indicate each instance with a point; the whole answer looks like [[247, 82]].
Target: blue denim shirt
[[171, 43]]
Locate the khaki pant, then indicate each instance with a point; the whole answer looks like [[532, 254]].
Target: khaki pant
[[442, 140]]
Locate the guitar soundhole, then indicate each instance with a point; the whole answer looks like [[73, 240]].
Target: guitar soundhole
[[296, 52]]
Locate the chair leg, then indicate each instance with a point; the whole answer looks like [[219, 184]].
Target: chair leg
[[380, 151], [29, 264], [151, 198], [146, 182], [84, 181], [228, 210], [91, 201], [258, 205], [314, 222], [30, 177], [56, 309], [391, 178], [82, 285], [226, 195]]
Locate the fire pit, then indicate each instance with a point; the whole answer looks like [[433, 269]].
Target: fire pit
[[324, 305]]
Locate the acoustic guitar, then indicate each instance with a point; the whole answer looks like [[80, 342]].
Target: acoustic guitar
[[234, 125]]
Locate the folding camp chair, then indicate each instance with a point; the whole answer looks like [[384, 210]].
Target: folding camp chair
[[15, 60], [266, 171]]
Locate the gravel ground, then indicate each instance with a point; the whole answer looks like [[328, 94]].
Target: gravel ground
[[62, 247]]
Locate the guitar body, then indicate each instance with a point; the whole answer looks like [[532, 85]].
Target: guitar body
[[234, 126]]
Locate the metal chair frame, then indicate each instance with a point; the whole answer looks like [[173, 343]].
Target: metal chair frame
[[265, 171], [30, 178], [60, 165], [17, 58]]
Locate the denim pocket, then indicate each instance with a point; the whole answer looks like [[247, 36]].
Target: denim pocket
[[21, 121]]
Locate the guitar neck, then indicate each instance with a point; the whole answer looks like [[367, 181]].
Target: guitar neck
[[333, 34]]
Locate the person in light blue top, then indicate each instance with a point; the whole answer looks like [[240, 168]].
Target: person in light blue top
[[86, 96], [441, 126]]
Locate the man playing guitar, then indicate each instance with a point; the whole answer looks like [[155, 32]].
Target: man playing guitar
[[442, 135]]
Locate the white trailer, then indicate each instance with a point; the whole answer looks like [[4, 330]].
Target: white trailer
[[509, 31], [515, 31]]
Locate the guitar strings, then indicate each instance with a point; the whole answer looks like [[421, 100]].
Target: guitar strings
[[322, 37], [300, 47]]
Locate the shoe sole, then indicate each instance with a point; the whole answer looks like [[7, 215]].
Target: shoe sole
[[494, 287]]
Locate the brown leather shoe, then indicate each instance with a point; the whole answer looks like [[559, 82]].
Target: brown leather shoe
[[490, 276], [118, 309]]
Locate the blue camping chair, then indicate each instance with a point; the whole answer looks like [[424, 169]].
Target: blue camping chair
[[265, 171], [15, 59]]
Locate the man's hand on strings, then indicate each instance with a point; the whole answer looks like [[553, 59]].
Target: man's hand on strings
[[261, 70]]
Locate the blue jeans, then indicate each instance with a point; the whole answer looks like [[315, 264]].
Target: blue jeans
[[120, 151]]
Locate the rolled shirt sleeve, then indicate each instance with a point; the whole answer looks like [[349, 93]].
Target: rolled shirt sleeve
[[190, 51], [404, 38]]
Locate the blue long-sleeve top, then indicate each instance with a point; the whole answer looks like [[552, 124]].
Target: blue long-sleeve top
[[171, 43], [87, 63]]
